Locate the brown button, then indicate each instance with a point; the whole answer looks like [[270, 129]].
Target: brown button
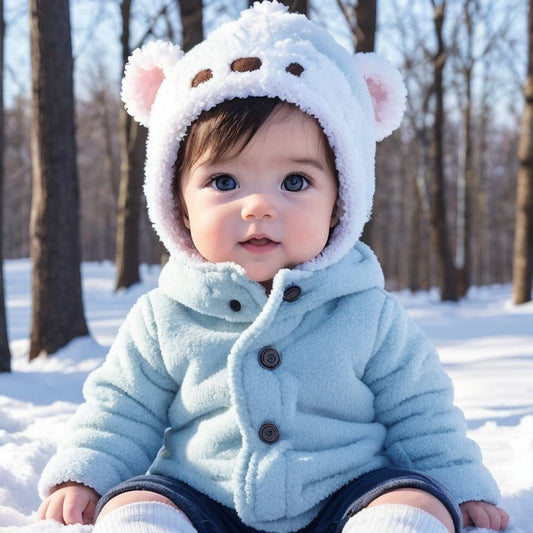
[[269, 358], [235, 305], [269, 433], [292, 293]]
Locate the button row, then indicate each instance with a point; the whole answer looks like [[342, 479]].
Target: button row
[[270, 358]]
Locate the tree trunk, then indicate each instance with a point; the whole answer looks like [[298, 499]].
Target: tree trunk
[[362, 24], [439, 226], [298, 6], [131, 179], [5, 354], [295, 6], [364, 31], [132, 141], [480, 243], [465, 181], [523, 242], [465, 188], [191, 13], [416, 259], [57, 304]]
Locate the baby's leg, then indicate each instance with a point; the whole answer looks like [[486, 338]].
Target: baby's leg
[[390, 499], [144, 512], [153, 499], [402, 510], [419, 499], [133, 496]]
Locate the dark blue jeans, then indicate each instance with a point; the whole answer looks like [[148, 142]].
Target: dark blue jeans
[[208, 516]]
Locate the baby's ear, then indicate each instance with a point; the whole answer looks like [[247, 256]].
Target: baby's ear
[[387, 90], [146, 69]]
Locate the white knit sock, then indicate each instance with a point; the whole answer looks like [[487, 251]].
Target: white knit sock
[[144, 517], [393, 518]]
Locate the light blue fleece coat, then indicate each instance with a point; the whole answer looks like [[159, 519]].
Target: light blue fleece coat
[[183, 393]]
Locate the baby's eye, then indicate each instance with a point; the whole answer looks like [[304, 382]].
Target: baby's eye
[[295, 183], [224, 182]]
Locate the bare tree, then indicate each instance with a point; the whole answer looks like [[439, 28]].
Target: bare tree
[[407, 31], [5, 354], [57, 306], [523, 244], [17, 179], [132, 145], [480, 29], [98, 165], [439, 225], [131, 137], [191, 12], [465, 176], [361, 19]]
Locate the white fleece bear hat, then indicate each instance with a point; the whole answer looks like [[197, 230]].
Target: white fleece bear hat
[[357, 99]]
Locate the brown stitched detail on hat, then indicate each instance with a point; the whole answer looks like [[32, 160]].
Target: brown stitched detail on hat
[[295, 69], [246, 64], [202, 77]]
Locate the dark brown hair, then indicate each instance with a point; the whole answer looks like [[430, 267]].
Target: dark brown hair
[[226, 128]]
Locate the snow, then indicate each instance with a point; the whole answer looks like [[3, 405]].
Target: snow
[[486, 345]]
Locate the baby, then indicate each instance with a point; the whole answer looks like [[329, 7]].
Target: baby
[[269, 383]]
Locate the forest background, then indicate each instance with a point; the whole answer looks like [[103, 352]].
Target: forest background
[[445, 204]]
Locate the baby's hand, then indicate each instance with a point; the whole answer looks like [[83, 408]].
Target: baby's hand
[[483, 514], [70, 503]]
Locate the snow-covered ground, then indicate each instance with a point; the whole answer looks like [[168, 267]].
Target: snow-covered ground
[[486, 345]]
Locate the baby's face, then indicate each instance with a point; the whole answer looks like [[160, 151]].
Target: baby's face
[[269, 207]]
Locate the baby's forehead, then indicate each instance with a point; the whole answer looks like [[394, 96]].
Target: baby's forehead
[[215, 143], [301, 123]]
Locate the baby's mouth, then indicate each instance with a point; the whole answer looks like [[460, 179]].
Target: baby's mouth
[[259, 244]]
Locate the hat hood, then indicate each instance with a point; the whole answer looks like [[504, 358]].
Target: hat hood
[[357, 99]]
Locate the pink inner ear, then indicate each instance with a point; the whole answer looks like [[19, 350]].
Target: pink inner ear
[[148, 83], [379, 97]]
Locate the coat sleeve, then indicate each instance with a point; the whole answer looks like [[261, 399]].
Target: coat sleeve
[[414, 401], [118, 431]]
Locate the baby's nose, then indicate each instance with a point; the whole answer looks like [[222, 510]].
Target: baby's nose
[[258, 206]]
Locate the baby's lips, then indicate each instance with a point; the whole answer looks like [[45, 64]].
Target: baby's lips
[[260, 242]]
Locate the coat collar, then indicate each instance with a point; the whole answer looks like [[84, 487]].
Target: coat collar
[[224, 291]]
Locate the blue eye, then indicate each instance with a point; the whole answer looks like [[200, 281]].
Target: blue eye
[[224, 182], [295, 183]]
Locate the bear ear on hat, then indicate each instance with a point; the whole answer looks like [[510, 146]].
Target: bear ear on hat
[[387, 91], [145, 70]]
